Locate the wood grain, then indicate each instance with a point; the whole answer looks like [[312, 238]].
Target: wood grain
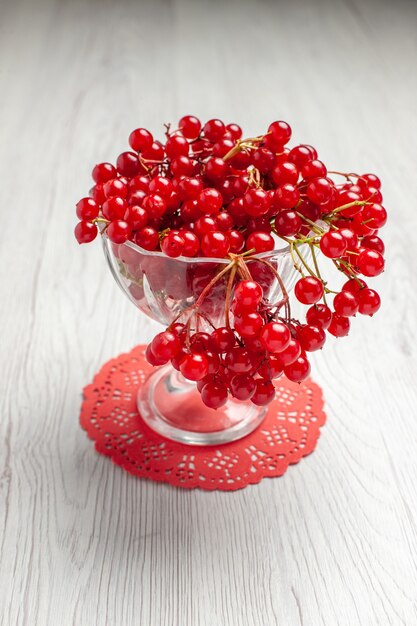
[[334, 542]]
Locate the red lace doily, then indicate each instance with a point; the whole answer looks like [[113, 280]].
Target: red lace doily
[[109, 415]]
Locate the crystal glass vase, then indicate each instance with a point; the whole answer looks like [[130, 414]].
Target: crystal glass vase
[[163, 287]]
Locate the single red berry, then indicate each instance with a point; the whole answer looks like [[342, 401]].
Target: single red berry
[[222, 147], [214, 395], [210, 201], [215, 244], [339, 326], [309, 290], [194, 366], [369, 301], [319, 190], [248, 324], [114, 208], [286, 196], [140, 140], [103, 172], [369, 180], [224, 221], [85, 232], [263, 159], [237, 241], [311, 338], [350, 237], [116, 187], [333, 244], [118, 231], [275, 336], [97, 193], [190, 188], [373, 242], [271, 368], [300, 155], [155, 153], [255, 202], [260, 242], [154, 205], [374, 216], [172, 245], [234, 130], [190, 126], [287, 223], [147, 238], [204, 225], [201, 342], [314, 169], [128, 164], [216, 170], [345, 198], [319, 315], [370, 262], [176, 146], [214, 130], [191, 243], [182, 166], [354, 285], [165, 346], [161, 186], [242, 386], [87, 209], [298, 370], [264, 392], [136, 216], [289, 354], [238, 360], [248, 294], [223, 339], [285, 172], [280, 132], [346, 303]]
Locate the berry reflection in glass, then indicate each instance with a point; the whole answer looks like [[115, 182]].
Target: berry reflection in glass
[[206, 232]]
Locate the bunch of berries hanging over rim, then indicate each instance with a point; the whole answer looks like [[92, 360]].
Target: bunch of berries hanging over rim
[[206, 192]]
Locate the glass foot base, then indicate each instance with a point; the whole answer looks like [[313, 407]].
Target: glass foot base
[[172, 407]]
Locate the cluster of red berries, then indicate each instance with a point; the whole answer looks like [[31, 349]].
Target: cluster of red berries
[[208, 192]]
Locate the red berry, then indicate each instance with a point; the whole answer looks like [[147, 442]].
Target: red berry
[[287, 223], [354, 285], [172, 245], [87, 209], [136, 216], [190, 126], [85, 232], [140, 140], [191, 243], [239, 360], [234, 130], [248, 324], [260, 242], [314, 169], [115, 187], [309, 290], [118, 231], [271, 368], [237, 241], [147, 238], [263, 160], [311, 338], [369, 180], [242, 386], [286, 196], [275, 337], [114, 208], [176, 146], [285, 172], [128, 164], [215, 244], [300, 155], [214, 395], [255, 202], [264, 392], [290, 353], [214, 130], [333, 244], [155, 153], [216, 169], [374, 216], [204, 225], [370, 262], [224, 221], [280, 132], [182, 166], [194, 366], [160, 186], [319, 190], [210, 201], [103, 172], [154, 205], [223, 339], [369, 301], [346, 303], [298, 370], [319, 315], [248, 294], [165, 346], [339, 326]]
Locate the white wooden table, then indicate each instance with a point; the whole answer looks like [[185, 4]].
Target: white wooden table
[[81, 542]]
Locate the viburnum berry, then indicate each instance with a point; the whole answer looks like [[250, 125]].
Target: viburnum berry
[[118, 231], [264, 392], [248, 324], [215, 244], [128, 164], [255, 202], [214, 395], [298, 370], [224, 339], [369, 301], [194, 366], [234, 130], [172, 244], [346, 303], [248, 294], [300, 155], [319, 315], [115, 187], [190, 126], [136, 217], [339, 326], [191, 245], [287, 223], [103, 172], [309, 290], [285, 172], [216, 169], [210, 201], [114, 208], [289, 354], [319, 190], [239, 360], [275, 337], [280, 132], [260, 242], [85, 232], [165, 346], [370, 262], [287, 196], [242, 386], [373, 242], [311, 338], [333, 244], [87, 209], [140, 140], [176, 146], [147, 238]]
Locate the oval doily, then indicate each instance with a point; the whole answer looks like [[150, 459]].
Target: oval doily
[[289, 431]]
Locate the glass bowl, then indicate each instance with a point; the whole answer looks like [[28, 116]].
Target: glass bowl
[[162, 288]]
